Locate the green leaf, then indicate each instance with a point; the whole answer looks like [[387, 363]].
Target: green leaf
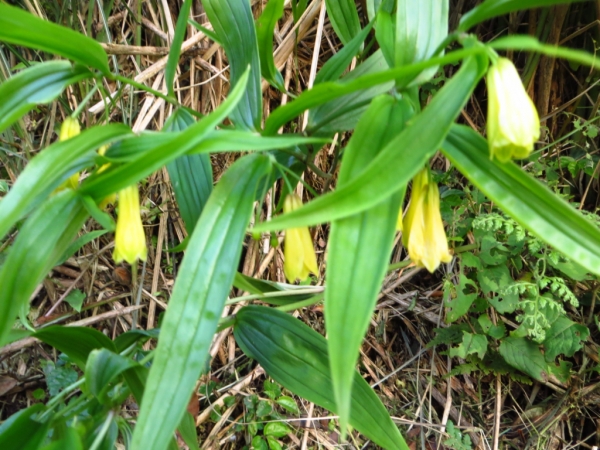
[[271, 389], [273, 443], [525, 199], [44, 237], [79, 243], [277, 429], [191, 175], [38, 84], [75, 342], [58, 377], [175, 50], [359, 249], [259, 287], [397, 163], [21, 28], [187, 429], [344, 18], [75, 299], [471, 344], [524, 355], [144, 164], [258, 443], [102, 368], [458, 302], [530, 43], [47, 170], [289, 404], [233, 22], [22, 431], [296, 357], [196, 305], [69, 440], [127, 339], [564, 337], [265, 29], [493, 8], [338, 63]]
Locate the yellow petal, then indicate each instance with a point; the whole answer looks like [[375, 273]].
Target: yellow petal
[[299, 252], [130, 239]]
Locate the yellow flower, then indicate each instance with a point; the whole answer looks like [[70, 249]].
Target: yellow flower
[[300, 258], [424, 236], [130, 240], [69, 128], [513, 124]]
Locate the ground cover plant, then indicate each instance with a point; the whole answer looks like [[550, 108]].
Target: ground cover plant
[[161, 167]]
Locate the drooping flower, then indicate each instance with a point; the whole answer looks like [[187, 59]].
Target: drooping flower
[[513, 124], [424, 236], [69, 128], [299, 252], [130, 240]]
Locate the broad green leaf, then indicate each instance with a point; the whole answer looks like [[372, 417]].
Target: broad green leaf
[[191, 175], [420, 27], [277, 429], [43, 238], [175, 50], [69, 439], [233, 22], [344, 18], [458, 302], [529, 43], [21, 28], [102, 368], [493, 8], [22, 431], [36, 85], [265, 28], [296, 357], [524, 355], [75, 342], [75, 299], [338, 63], [471, 344], [125, 340], [397, 163], [196, 305], [47, 170], [525, 199], [289, 404], [143, 165], [564, 337], [359, 249], [325, 92]]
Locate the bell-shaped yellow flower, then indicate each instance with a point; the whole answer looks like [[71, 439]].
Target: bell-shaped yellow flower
[[513, 124], [69, 128], [130, 240], [424, 236], [299, 253]]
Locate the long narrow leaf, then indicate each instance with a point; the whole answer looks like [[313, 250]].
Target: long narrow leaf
[[344, 18], [40, 243], [36, 85], [206, 275], [173, 60], [233, 22], [265, 28], [21, 28], [529, 202], [296, 356], [397, 163], [358, 249], [47, 170]]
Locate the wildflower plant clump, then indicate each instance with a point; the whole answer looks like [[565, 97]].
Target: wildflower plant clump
[[373, 117]]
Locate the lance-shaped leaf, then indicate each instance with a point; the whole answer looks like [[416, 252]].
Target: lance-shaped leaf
[[296, 357], [397, 163], [191, 175], [47, 170], [175, 52], [125, 175], [40, 243], [203, 282], [359, 248], [233, 23], [344, 18], [23, 431], [265, 29], [525, 199], [493, 8], [36, 85], [21, 28]]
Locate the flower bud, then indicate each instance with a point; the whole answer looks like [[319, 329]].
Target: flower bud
[[513, 124], [299, 252], [130, 240], [424, 236], [69, 128]]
